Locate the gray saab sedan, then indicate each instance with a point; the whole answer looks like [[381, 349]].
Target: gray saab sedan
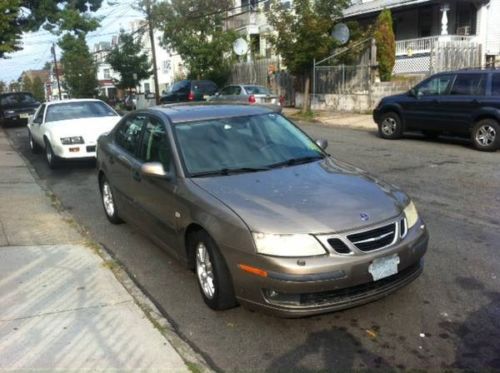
[[262, 214]]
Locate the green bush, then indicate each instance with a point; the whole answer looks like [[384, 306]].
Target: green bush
[[386, 45]]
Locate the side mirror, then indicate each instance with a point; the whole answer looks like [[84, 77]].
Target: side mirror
[[322, 143], [154, 169]]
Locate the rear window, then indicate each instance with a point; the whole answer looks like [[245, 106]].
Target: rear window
[[16, 99], [257, 90], [204, 86], [495, 85], [469, 85]]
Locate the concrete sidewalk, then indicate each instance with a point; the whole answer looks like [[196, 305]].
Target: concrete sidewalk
[[337, 119], [61, 307]]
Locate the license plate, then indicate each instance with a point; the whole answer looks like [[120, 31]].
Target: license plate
[[24, 116], [384, 267]]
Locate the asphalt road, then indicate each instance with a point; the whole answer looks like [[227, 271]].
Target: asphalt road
[[449, 317]]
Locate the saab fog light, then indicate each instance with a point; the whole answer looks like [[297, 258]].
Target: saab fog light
[[287, 245], [72, 140], [411, 214]]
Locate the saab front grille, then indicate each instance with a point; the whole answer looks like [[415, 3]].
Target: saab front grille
[[375, 238], [339, 246]]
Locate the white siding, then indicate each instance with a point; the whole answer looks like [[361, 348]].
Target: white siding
[[493, 28]]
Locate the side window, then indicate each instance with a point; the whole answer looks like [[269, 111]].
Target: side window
[[495, 85], [155, 146], [237, 90], [436, 86], [39, 115], [469, 85], [128, 134], [227, 91]]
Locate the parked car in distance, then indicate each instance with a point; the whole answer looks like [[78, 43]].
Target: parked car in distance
[[17, 107], [189, 90], [69, 129], [248, 93], [130, 102], [262, 214], [464, 103]]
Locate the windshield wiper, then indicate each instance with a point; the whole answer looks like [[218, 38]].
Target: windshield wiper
[[298, 160], [229, 171]]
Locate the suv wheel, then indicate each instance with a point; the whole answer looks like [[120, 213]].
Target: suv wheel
[[390, 126], [485, 135], [214, 279]]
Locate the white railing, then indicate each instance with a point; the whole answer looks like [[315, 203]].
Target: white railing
[[410, 47]]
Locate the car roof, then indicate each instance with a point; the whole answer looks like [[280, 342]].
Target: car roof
[[178, 113]]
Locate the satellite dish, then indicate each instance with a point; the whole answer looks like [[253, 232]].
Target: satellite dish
[[240, 46], [341, 33]]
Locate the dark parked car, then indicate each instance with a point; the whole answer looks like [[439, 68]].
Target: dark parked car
[[16, 107], [464, 103], [262, 214], [190, 90]]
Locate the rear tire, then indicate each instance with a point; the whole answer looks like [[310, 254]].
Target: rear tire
[[108, 202], [213, 276], [52, 159], [485, 135], [390, 126]]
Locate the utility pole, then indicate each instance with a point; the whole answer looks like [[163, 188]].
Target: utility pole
[[153, 50], [53, 50]]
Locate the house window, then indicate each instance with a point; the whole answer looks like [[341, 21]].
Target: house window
[[166, 66], [425, 18], [466, 19], [107, 74], [147, 87]]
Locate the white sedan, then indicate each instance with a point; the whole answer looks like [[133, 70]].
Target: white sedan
[[69, 129]]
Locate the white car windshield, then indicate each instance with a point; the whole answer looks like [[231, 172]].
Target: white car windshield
[[78, 110]]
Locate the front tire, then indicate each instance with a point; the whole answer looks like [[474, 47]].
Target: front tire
[[485, 135], [108, 202], [390, 126], [212, 274], [52, 159], [34, 147]]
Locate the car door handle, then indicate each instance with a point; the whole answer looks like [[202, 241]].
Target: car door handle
[[136, 175]]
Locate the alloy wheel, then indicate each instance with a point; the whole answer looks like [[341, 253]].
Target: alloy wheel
[[485, 135], [204, 270], [388, 126], [107, 198]]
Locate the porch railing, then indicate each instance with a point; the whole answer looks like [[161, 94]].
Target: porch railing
[[239, 21], [410, 47]]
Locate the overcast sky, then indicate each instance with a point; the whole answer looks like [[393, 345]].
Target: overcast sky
[[36, 46]]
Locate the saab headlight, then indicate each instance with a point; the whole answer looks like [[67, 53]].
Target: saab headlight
[[72, 140], [411, 214], [287, 245]]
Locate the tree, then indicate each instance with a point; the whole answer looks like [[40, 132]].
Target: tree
[[47, 65], [303, 34], [18, 16], [79, 66], [14, 86], [3, 86], [38, 89], [26, 84], [129, 59], [195, 29], [10, 37], [386, 45]]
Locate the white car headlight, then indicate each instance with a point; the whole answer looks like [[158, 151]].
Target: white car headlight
[[411, 214], [287, 245]]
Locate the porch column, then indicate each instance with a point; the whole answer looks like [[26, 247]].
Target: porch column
[[444, 19]]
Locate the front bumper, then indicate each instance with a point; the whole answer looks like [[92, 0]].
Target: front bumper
[[75, 151], [328, 283]]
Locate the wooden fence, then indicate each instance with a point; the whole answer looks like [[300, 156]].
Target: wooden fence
[[453, 55]]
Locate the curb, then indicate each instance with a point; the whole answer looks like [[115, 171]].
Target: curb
[[194, 360]]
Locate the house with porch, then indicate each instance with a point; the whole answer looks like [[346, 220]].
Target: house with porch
[[434, 35]]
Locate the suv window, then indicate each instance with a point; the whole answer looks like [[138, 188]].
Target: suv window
[[204, 86], [495, 85], [155, 146], [128, 133], [469, 85], [436, 86], [183, 85]]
